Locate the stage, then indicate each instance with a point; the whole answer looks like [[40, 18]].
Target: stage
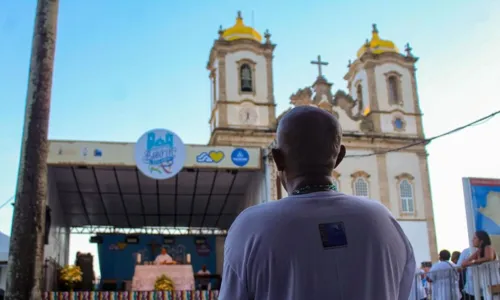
[[96, 188]]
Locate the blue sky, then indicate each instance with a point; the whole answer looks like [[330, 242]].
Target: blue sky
[[123, 67]]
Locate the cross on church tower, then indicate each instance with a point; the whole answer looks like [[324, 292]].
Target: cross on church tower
[[319, 63]]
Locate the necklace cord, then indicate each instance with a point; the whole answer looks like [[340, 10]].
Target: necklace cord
[[314, 188]]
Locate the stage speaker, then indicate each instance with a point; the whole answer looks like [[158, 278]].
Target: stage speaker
[[132, 239], [86, 264]]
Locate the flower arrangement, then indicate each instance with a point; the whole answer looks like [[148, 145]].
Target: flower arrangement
[[71, 274], [164, 283]]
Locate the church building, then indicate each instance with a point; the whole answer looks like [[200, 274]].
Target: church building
[[380, 115]]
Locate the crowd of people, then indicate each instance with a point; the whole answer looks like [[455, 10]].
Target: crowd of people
[[453, 276]]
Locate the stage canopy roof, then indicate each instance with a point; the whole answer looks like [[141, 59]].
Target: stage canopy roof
[[97, 193]]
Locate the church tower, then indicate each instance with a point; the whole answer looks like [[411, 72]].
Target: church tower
[[383, 92], [382, 81], [242, 96], [380, 116]]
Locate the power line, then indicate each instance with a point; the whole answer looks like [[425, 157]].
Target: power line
[[479, 121], [6, 202], [425, 141]]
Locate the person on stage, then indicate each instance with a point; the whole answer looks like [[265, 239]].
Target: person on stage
[[317, 243], [204, 282], [163, 258]]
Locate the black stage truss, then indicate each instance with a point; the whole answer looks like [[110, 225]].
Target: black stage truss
[[148, 230], [110, 199]]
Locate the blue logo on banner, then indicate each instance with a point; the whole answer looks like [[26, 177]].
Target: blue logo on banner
[[97, 153], [240, 157], [160, 154], [202, 246]]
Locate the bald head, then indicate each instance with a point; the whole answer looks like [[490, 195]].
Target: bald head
[[308, 142]]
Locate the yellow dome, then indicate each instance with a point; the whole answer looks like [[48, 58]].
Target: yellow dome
[[240, 31], [377, 45]]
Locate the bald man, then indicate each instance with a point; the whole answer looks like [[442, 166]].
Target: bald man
[[317, 243]]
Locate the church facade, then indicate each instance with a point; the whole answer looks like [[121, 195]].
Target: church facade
[[379, 113]]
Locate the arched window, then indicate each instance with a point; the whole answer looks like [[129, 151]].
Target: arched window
[[393, 89], [359, 97], [406, 196], [246, 80], [335, 179], [336, 183], [361, 187]]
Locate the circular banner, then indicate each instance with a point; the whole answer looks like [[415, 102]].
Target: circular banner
[[160, 154]]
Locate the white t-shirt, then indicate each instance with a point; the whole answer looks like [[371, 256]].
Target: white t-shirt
[[201, 272], [163, 259], [444, 278], [204, 280], [324, 245]]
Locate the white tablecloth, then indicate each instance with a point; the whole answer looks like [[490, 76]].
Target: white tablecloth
[[145, 276]]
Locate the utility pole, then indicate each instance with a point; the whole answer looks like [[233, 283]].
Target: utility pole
[[24, 275]]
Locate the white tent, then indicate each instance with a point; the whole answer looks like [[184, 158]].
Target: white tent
[[4, 257], [4, 247]]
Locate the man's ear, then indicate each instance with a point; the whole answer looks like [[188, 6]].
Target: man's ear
[[340, 156], [278, 158]]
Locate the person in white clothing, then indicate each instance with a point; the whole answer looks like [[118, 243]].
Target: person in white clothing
[[204, 282], [317, 243], [163, 258], [417, 289], [468, 290], [444, 278]]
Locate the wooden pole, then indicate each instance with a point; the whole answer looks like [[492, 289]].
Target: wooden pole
[[26, 257]]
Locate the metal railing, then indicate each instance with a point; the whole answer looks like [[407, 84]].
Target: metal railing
[[50, 275], [455, 283]]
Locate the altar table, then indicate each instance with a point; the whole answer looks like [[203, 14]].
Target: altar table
[[145, 276]]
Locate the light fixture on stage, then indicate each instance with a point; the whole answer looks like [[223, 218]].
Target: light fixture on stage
[[132, 239], [232, 172]]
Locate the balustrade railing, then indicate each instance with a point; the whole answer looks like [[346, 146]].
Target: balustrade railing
[[455, 283]]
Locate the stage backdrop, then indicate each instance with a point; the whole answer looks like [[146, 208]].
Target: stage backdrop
[[117, 259]]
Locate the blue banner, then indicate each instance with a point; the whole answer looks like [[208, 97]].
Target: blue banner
[[485, 202]]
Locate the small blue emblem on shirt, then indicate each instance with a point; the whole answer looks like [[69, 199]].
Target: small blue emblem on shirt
[[333, 235]]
